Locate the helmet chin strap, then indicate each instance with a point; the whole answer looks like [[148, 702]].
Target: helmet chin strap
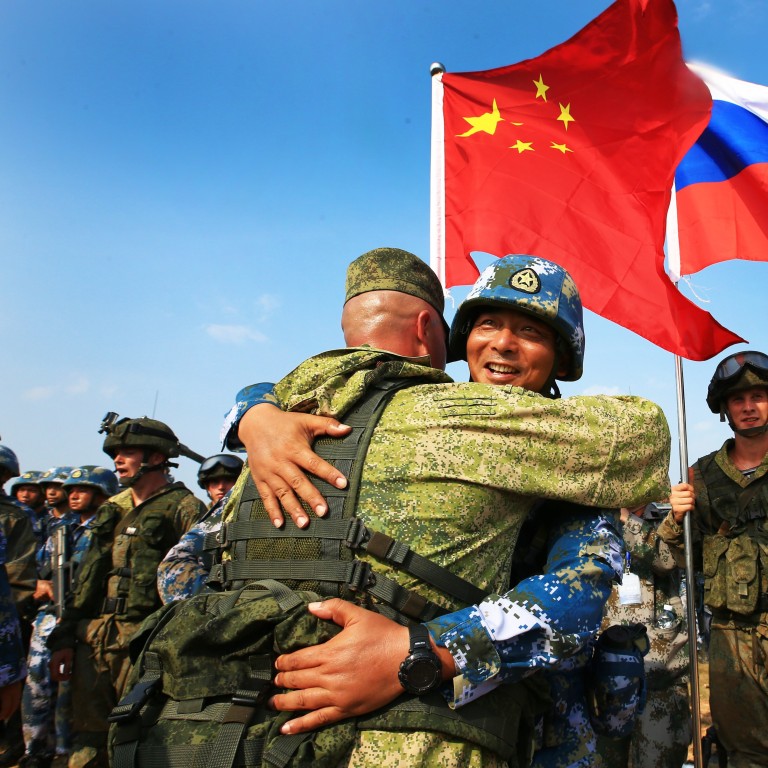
[[550, 388], [129, 482], [748, 432]]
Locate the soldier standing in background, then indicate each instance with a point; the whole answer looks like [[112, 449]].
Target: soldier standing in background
[[650, 595], [46, 705], [130, 536], [727, 497], [20, 549]]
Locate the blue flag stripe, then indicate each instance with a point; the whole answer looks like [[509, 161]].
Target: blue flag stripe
[[734, 139]]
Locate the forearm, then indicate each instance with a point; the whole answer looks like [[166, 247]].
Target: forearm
[[246, 398], [541, 622], [183, 572]]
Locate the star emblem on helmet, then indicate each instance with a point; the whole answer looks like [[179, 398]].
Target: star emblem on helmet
[[525, 280]]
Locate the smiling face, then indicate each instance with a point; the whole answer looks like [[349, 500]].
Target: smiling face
[[748, 408], [507, 347]]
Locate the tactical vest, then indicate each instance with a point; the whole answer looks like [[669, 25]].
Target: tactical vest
[[307, 563], [139, 540], [735, 541]]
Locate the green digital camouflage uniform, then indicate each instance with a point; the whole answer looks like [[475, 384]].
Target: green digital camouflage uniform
[[116, 590], [662, 733], [453, 469], [730, 537]]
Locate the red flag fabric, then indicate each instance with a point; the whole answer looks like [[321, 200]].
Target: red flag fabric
[[571, 156]]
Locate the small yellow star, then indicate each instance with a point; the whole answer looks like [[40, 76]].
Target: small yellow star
[[486, 122], [565, 115], [562, 147], [541, 89], [523, 146]]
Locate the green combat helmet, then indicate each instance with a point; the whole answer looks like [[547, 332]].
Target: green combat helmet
[[539, 288], [150, 435], [736, 373]]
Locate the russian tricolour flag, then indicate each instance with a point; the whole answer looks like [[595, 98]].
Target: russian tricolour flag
[[722, 182]]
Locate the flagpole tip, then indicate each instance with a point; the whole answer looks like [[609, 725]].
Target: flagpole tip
[[436, 68]]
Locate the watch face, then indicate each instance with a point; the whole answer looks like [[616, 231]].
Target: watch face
[[422, 674]]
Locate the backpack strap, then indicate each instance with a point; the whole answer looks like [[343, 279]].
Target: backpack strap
[[339, 534]]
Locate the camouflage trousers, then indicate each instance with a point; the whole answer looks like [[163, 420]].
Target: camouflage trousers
[[46, 708], [101, 669], [565, 736], [425, 749], [661, 734], [738, 691]]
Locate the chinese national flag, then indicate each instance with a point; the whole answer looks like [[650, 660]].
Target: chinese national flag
[[571, 156]]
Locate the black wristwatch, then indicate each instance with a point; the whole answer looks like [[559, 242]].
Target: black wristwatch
[[421, 672]]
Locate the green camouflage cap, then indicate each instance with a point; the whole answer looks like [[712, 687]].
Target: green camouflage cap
[[393, 269]]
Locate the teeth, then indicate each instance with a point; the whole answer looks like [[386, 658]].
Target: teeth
[[498, 368]]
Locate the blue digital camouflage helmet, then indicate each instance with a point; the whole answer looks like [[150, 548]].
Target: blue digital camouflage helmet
[[537, 287], [30, 477], [54, 476], [102, 479]]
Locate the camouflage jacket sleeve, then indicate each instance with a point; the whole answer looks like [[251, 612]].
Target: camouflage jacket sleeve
[[545, 619], [12, 659], [247, 397], [649, 553], [185, 568], [21, 552]]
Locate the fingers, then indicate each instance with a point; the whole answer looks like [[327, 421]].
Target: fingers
[[341, 612], [312, 720]]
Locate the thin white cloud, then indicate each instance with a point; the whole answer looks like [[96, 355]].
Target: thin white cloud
[[39, 393], [79, 386], [234, 334], [267, 304], [704, 426]]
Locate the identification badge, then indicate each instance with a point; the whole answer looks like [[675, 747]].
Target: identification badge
[[629, 590]]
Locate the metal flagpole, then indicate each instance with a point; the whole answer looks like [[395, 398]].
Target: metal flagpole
[[673, 258], [690, 576], [437, 177]]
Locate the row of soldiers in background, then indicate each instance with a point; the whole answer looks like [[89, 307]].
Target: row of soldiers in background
[[49, 522]]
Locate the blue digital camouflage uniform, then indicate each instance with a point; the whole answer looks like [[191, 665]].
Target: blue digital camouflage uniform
[[185, 568], [442, 428], [47, 706], [662, 732]]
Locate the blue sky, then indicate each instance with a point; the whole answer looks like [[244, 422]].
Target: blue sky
[[182, 185]]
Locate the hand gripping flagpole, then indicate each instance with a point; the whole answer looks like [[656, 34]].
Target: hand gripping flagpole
[[673, 257]]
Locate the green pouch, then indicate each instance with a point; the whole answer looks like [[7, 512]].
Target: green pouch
[[742, 584], [715, 571]]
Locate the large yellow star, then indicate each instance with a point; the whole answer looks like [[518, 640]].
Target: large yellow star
[[562, 147], [486, 122], [565, 115], [523, 146], [541, 89]]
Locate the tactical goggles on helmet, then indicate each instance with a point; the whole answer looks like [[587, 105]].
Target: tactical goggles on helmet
[[733, 365], [221, 460]]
